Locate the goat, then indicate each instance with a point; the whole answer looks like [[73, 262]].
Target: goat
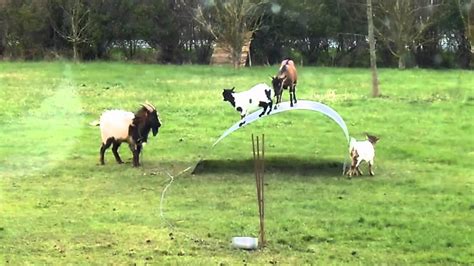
[[286, 78], [259, 95], [118, 126], [362, 151]]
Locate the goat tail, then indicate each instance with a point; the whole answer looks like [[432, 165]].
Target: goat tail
[[95, 123]]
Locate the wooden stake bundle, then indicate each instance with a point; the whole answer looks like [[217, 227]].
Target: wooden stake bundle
[[259, 160]]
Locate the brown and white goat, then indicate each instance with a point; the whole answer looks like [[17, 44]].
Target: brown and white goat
[[362, 151], [286, 78], [118, 126]]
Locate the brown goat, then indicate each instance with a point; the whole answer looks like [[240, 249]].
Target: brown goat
[[118, 126], [286, 78]]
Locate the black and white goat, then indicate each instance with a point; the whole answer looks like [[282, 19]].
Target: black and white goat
[[259, 95], [286, 78], [362, 151], [118, 126]]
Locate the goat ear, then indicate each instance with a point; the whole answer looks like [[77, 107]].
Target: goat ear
[[232, 90]]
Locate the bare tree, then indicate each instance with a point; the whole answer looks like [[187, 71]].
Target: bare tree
[[401, 24], [466, 11], [3, 27], [471, 24], [373, 58], [76, 21], [231, 22]]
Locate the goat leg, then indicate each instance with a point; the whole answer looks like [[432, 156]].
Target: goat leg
[[357, 164], [294, 93], [354, 157], [115, 151], [136, 153], [102, 151], [350, 171], [103, 148], [264, 105], [291, 99], [135, 159], [370, 169]]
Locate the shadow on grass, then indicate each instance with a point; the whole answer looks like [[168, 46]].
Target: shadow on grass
[[291, 166]]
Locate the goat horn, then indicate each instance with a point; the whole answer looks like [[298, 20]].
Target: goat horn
[[151, 105], [148, 107]]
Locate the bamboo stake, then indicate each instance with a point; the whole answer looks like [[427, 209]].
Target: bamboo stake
[[256, 173], [262, 189], [259, 180]]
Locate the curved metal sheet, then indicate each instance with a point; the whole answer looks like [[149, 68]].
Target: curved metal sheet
[[285, 106]]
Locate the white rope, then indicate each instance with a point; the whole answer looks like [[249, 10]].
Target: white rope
[[172, 178], [164, 192]]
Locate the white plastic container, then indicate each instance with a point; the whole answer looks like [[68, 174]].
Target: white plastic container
[[245, 242]]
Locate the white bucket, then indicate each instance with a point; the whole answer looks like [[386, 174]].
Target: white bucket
[[245, 242]]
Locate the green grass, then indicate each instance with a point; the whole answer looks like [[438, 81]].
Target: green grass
[[58, 206]]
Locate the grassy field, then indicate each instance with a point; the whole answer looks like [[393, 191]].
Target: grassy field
[[59, 206]]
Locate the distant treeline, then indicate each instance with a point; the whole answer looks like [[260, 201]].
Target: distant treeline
[[424, 33]]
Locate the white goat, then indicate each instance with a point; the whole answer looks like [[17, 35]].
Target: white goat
[[260, 95], [362, 151]]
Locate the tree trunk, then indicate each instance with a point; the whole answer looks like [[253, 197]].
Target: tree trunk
[[74, 34], [402, 53], [373, 56], [236, 54], [75, 53], [401, 62], [470, 26], [3, 39]]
